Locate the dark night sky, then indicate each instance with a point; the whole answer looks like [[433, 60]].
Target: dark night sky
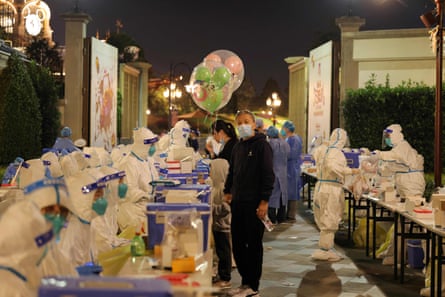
[[262, 33]]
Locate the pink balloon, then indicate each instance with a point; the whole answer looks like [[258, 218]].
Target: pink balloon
[[234, 64], [213, 58]]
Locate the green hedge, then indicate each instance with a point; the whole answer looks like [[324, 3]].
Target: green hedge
[[369, 110]]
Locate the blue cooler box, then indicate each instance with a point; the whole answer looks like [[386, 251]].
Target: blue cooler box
[[156, 213], [203, 189], [352, 159], [95, 286]]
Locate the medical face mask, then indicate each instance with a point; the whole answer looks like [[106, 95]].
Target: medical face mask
[[122, 190], [245, 131], [100, 206], [221, 141], [283, 133], [57, 221], [388, 142], [151, 151]]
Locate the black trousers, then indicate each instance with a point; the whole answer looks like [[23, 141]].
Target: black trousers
[[247, 242], [224, 253]]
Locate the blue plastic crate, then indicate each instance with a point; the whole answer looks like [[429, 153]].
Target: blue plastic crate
[[94, 286], [156, 213], [352, 159], [203, 189]]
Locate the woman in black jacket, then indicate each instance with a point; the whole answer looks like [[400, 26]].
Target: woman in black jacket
[[225, 134], [248, 187]]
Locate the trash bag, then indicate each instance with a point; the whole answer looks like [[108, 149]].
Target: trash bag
[[386, 245], [113, 261], [359, 234]]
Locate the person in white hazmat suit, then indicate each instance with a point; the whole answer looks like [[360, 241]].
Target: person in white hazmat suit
[[404, 162], [23, 245], [329, 195], [104, 229], [52, 197], [406, 165], [139, 172], [87, 197]]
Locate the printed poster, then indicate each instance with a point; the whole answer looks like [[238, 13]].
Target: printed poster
[[320, 85]]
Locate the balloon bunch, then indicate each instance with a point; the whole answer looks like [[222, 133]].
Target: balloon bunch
[[215, 79]]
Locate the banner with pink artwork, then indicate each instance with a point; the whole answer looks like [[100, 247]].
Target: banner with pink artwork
[[103, 94], [320, 95]]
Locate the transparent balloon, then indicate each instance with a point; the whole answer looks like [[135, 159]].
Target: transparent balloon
[[210, 86], [231, 61]]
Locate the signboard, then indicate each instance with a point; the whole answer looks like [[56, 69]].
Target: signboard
[[320, 95], [103, 94]]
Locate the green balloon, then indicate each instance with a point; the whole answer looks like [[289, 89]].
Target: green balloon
[[203, 74], [221, 77], [213, 100]]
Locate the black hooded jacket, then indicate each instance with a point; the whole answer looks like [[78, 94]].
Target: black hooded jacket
[[251, 176]]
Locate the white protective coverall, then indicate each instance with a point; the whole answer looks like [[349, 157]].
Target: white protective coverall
[[104, 228], [139, 172], [75, 243], [45, 193], [406, 165], [404, 162], [31, 170], [23, 245], [329, 197], [54, 165]]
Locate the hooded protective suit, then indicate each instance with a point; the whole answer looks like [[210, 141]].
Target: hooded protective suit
[[404, 162], [329, 195], [53, 163], [23, 246], [104, 228], [31, 171], [75, 243], [45, 193], [139, 172]]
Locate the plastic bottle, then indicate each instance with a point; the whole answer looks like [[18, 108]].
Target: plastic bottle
[[268, 223], [137, 246]]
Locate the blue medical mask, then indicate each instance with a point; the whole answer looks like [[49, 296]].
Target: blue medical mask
[[221, 141], [122, 190], [151, 151], [57, 221], [245, 131], [283, 133], [100, 206], [388, 142]]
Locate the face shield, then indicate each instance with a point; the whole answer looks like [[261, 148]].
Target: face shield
[[386, 138]]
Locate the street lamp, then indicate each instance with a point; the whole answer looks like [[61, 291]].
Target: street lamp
[[172, 91], [273, 102]]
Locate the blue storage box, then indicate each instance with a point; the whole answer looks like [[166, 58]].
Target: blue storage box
[[415, 253], [184, 178], [95, 286], [307, 158], [204, 191], [352, 159], [156, 213]]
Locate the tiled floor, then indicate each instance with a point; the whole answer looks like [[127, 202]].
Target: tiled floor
[[289, 271]]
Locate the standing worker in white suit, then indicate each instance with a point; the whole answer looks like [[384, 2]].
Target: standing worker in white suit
[[329, 197]]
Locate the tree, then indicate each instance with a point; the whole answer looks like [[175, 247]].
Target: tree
[[122, 41], [40, 51], [46, 91], [20, 118]]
